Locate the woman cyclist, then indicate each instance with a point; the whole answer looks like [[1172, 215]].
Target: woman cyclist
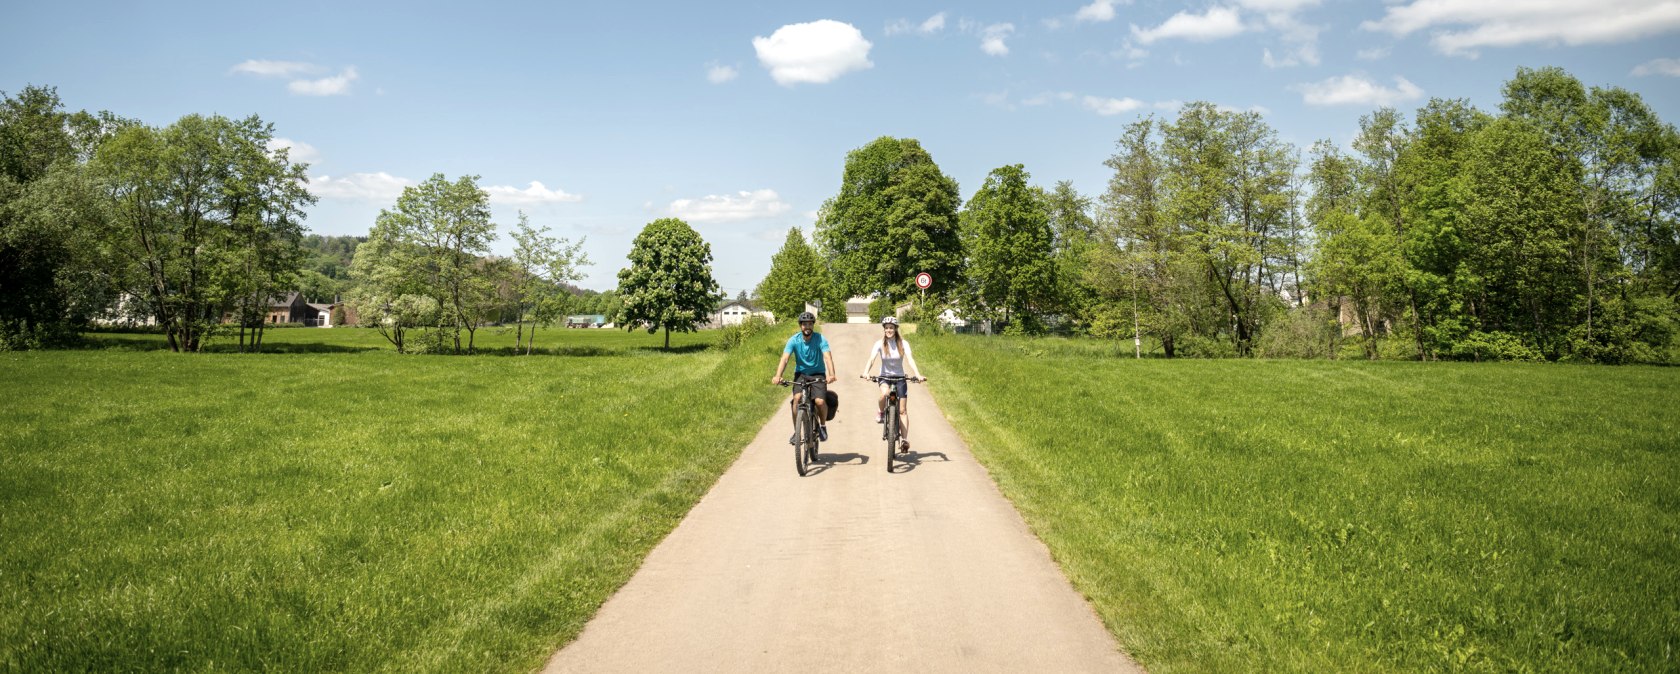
[[894, 353]]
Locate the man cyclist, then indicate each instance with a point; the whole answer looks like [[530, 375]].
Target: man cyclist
[[894, 353], [813, 363]]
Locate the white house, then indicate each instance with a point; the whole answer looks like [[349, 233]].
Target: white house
[[857, 310], [951, 320], [732, 313]]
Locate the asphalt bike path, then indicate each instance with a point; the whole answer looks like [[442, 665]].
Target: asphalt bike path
[[849, 569]]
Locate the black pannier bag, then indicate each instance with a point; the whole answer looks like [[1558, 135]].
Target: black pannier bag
[[833, 404]]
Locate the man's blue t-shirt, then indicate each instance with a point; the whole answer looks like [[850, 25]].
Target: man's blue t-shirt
[[807, 356]]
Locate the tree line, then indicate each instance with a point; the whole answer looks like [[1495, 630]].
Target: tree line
[[195, 224], [1545, 230]]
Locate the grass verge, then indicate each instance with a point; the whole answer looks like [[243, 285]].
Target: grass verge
[[346, 511], [1244, 515]]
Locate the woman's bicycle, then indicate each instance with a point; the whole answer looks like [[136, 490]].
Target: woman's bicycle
[[892, 430], [804, 427]]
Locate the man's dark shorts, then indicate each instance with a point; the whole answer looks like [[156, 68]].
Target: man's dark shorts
[[819, 389]]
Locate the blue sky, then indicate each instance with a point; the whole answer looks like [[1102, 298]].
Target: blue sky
[[597, 118]]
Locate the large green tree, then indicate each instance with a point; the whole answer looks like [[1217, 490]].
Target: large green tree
[[1227, 180], [668, 285], [895, 215], [1006, 231], [54, 272], [449, 224], [797, 276], [205, 218]]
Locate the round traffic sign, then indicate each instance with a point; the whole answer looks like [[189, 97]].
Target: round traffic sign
[[923, 280]]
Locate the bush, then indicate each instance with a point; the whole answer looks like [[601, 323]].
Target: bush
[[879, 308], [735, 335], [1305, 332], [1198, 346], [1495, 346]]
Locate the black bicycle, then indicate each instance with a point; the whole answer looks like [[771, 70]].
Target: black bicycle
[[891, 429], [804, 427]]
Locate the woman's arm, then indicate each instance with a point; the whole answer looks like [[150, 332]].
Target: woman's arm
[[874, 352], [910, 359]]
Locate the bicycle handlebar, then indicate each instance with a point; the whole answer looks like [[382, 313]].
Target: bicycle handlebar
[[893, 378]]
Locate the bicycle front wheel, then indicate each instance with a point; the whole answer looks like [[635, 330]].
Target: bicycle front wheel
[[892, 433], [802, 434]]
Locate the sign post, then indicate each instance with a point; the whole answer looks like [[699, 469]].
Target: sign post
[[923, 280]]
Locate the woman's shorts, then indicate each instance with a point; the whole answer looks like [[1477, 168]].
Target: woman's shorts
[[902, 386]]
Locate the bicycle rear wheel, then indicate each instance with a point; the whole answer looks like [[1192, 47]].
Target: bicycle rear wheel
[[802, 437]]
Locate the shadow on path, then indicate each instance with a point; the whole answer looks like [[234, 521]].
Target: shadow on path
[[911, 460]]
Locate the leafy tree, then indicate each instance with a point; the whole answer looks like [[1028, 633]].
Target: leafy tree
[[54, 272], [448, 224], [541, 262], [1006, 231], [1227, 179], [669, 283], [797, 276], [204, 216], [392, 289], [1073, 244], [895, 215]]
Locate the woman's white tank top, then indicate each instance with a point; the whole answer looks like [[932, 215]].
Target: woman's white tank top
[[892, 362]]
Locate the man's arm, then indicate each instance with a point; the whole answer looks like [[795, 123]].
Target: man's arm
[[829, 357], [777, 378]]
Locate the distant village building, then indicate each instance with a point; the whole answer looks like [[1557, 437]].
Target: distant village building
[[857, 310], [733, 312], [586, 321]]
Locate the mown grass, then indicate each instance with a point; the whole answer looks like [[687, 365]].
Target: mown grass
[[1247, 515], [346, 511]]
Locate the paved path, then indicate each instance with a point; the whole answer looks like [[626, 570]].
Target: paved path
[[850, 569]]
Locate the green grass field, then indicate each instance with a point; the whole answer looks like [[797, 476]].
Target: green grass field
[[1322, 516], [343, 507]]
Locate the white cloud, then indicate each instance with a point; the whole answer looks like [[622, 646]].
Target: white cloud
[[929, 26], [1669, 67], [1097, 12], [717, 74], [736, 207], [1357, 90], [296, 152], [379, 186], [1373, 54], [814, 52], [326, 86], [535, 193], [1277, 6], [992, 37], [262, 68], [1461, 27], [1111, 106], [1217, 23]]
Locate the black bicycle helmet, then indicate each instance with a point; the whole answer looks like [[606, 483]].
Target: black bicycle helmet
[[807, 318]]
